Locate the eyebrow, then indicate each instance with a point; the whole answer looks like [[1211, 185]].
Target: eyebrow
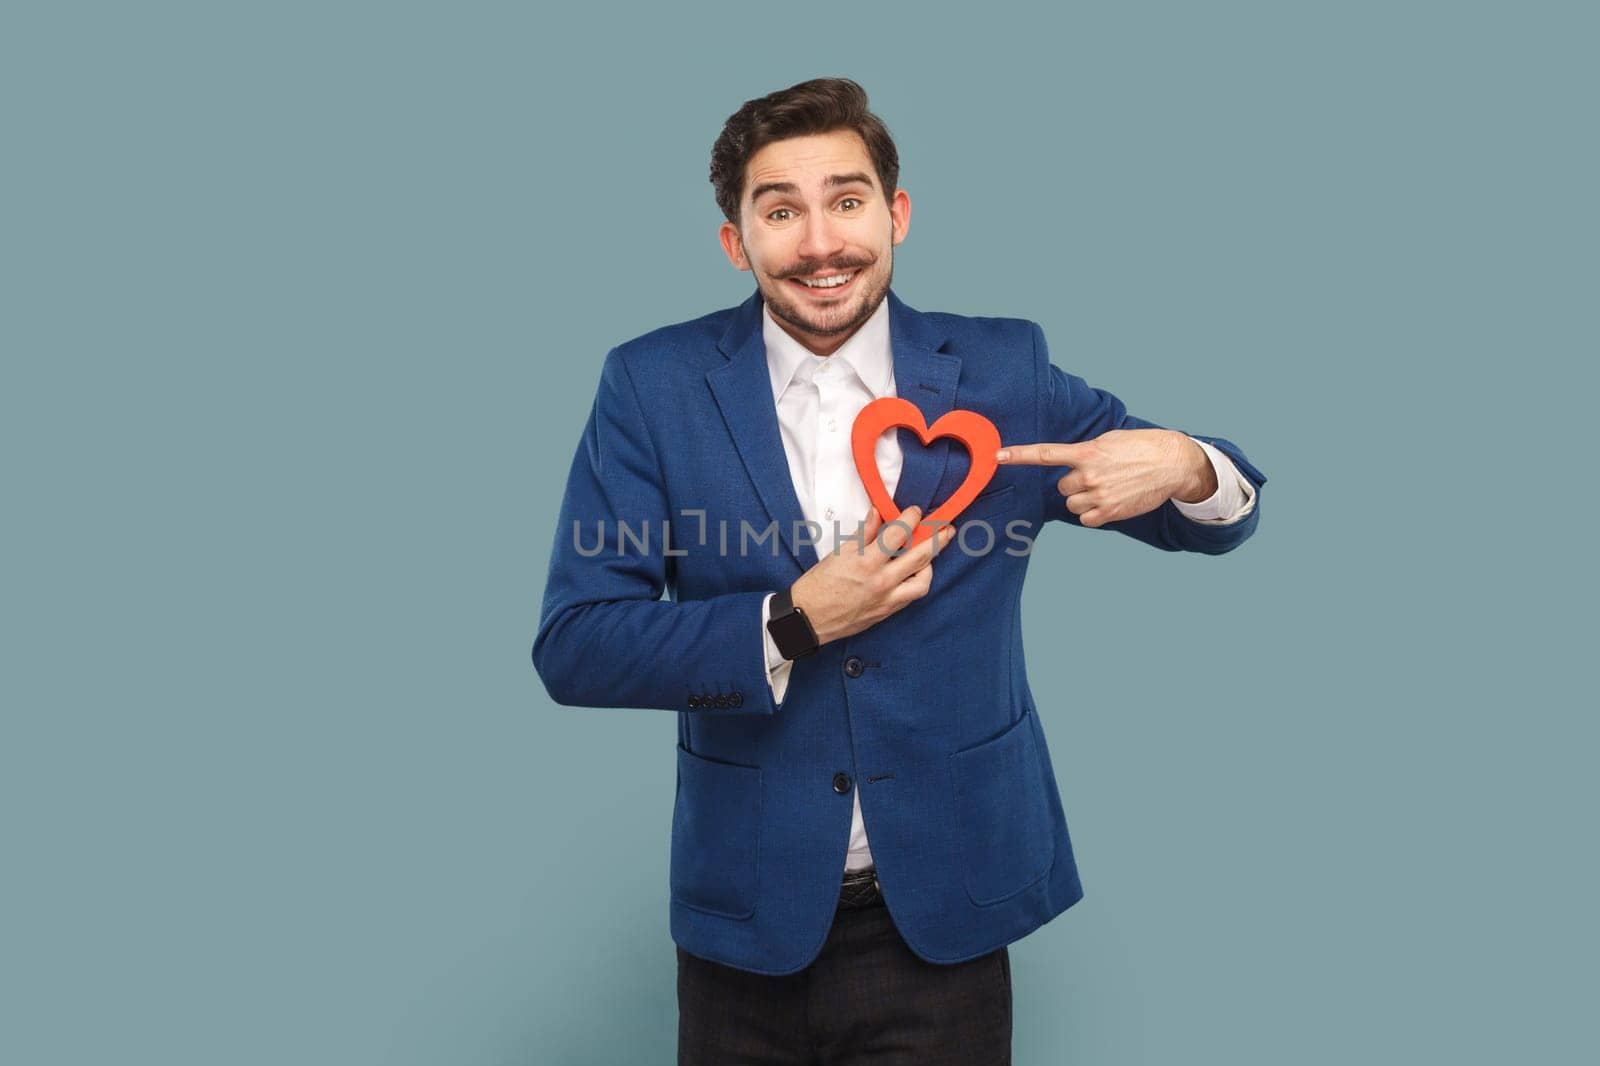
[[789, 187]]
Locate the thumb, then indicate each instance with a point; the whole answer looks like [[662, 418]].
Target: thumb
[[872, 523]]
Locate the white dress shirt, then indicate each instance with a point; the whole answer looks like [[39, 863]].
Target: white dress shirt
[[818, 398]]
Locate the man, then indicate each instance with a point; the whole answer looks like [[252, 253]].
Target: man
[[831, 680]]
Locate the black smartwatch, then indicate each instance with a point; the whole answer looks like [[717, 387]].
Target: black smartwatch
[[790, 628]]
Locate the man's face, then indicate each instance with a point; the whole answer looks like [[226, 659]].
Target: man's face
[[812, 209]]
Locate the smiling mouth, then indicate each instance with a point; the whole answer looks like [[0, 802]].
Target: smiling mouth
[[827, 285]]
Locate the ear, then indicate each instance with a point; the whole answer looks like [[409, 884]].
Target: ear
[[732, 245], [900, 214]]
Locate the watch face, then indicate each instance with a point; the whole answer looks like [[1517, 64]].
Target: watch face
[[792, 634]]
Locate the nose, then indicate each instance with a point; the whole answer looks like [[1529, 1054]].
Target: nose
[[819, 240]]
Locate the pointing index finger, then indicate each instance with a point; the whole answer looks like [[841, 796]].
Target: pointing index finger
[[1037, 454]]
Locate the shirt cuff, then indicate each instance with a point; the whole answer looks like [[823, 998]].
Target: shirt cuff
[[777, 666], [1234, 499]]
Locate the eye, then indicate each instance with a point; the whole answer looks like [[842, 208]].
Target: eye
[[849, 200], [773, 215]]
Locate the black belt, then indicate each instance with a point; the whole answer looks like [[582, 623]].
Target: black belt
[[859, 889]]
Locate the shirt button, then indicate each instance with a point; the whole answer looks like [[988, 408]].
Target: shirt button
[[852, 667], [828, 514], [841, 783], [832, 425]]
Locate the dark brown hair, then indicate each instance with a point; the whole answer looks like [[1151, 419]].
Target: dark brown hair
[[820, 105]]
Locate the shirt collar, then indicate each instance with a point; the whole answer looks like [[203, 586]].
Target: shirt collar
[[867, 353]]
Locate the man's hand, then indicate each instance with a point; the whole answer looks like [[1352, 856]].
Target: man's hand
[[1124, 472], [854, 587]]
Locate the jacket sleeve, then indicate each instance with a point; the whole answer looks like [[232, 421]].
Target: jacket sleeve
[[606, 638], [1071, 410]]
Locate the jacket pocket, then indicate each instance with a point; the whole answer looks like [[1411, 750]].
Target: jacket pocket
[[981, 528], [1002, 814], [716, 835], [991, 503]]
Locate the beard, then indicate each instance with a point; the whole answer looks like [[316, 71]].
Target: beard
[[823, 323]]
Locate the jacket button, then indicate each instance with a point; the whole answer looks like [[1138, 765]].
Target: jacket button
[[737, 699], [695, 702], [841, 783], [852, 667], [722, 701]]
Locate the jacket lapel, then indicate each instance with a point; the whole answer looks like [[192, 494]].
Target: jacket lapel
[[744, 392], [928, 378]]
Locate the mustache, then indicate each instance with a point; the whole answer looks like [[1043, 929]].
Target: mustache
[[837, 265]]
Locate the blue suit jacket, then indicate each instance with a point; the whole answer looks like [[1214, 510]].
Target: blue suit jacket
[[928, 712]]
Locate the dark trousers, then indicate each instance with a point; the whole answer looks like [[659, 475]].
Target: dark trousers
[[866, 999]]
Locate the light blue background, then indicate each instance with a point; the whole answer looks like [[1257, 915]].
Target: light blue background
[[303, 309]]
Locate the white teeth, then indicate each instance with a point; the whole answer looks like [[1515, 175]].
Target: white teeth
[[827, 283]]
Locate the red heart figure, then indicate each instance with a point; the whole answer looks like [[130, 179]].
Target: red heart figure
[[968, 427]]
